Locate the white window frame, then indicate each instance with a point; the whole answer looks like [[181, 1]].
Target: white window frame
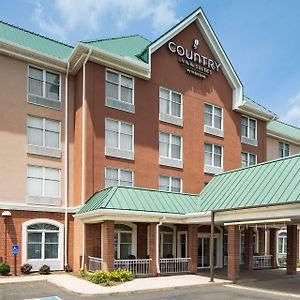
[[45, 70], [212, 169], [246, 139], [284, 244], [118, 103], [161, 233], [179, 233], [284, 149], [212, 129], [170, 118], [248, 158], [168, 160], [118, 151], [170, 182], [43, 179], [119, 175], [54, 263]]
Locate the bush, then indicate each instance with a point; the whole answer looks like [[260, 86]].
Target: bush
[[121, 275], [298, 264], [44, 270], [26, 268], [102, 277], [68, 269], [4, 268]]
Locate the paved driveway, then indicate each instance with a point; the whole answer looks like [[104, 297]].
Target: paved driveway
[[18, 291]]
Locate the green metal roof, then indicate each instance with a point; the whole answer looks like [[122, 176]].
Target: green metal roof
[[34, 41], [268, 183], [257, 106], [139, 199], [130, 46], [284, 130]]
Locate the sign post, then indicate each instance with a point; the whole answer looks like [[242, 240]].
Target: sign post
[[15, 252]]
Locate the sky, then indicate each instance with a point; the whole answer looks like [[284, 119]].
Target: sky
[[260, 37]]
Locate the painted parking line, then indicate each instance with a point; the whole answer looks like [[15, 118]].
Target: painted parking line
[[263, 291], [45, 298]]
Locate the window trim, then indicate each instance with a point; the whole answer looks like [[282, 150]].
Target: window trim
[[132, 105], [161, 233], [59, 100], [179, 233], [248, 159], [43, 196], [284, 148], [169, 118], [213, 158], [119, 171], [118, 152], [170, 177], [283, 244], [213, 116]]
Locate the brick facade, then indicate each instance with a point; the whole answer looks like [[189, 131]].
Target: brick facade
[[193, 247], [233, 268], [108, 232], [152, 248], [261, 241], [273, 247], [249, 250], [291, 258]]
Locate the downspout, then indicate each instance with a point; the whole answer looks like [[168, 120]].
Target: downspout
[[66, 163], [157, 246], [83, 150]]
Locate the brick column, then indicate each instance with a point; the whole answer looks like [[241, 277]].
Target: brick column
[[92, 241], [249, 248], [233, 267], [261, 241], [273, 247], [291, 258], [152, 248], [193, 247], [108, 253]]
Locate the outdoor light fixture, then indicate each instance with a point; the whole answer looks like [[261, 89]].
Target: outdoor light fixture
[[259, 222], [6, 213]]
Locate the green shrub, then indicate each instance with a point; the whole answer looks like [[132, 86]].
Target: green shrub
[[44, 270], [4, 268], [121, 275], [26, 268], [298, 264], [102, 277]]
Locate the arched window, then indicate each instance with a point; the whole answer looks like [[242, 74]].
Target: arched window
[[125, 236], [166, 241]]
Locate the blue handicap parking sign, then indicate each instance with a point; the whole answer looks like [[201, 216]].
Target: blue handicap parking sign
[[15, 249]]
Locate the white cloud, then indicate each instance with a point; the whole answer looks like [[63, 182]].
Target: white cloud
[[88, 15], [292, 116]]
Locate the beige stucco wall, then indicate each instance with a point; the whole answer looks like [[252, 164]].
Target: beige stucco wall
[[13, 131], [273, 148]]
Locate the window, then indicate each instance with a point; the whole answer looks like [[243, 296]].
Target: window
[[116, 177], [284, 149], [166, 242], [43, 182], [249, 131], [42, 241], [213, 116], [170, 146], [282, 242], [43, 84], [119, 139], [248, 159], [119, 91], [43, 132], [123, 241], [170, 106], [182, 244], [213, 155], [170, 183]]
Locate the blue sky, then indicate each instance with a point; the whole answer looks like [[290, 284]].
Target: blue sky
[[260, 37]]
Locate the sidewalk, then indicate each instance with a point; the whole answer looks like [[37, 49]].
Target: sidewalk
[[80, 286]]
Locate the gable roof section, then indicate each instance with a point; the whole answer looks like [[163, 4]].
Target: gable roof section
[[213, 43], [268, 183], [127, 46], [32, 41], [139, 199], [284, 131]]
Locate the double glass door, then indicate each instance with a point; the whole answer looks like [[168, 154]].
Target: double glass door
[[204, 250]]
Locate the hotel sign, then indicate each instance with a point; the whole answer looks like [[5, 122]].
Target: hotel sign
[[194, 63]]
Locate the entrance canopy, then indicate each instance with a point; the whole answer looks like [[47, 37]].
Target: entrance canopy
[[267, 190]]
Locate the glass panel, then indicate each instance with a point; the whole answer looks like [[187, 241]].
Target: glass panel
[[218, 122], [116, 240], [35, 136], [175, 184], [208, 154], [52, 91], [125, 251], [111, 133], [52, 139], [167, 251], [112, 90], [176, 109], [208, 114], [51, 245], [244, 159], [176, 97], [164, 106], [164, 144], [252, 159], [165, 229], [163, 93], [51, 188], [52, 78], [244, 127], [113, 77], [122, 227], [51, 173], [164, 183], [126, 82], [36, 73], [175, 147], [126, 178], [126, 94], [252, 131], [34, 245], [126, 237], [35, 87], [42, 226], [125, 142], [111, 178]]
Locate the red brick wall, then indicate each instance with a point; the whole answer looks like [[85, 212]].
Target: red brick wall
[[108, 231], [291, 258], [233, 267]]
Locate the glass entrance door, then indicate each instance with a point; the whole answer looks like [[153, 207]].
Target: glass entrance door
[[204, 250]]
